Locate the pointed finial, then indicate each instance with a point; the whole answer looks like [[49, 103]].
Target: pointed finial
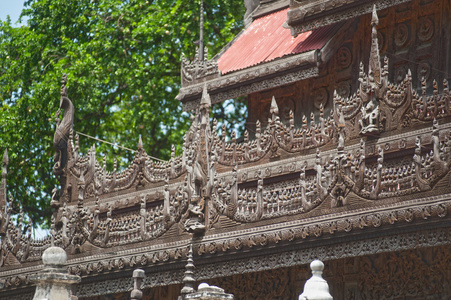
[[341, 140], [189, 280], [5, 164], [3, 182], [434, 86], [434, 124], [81, 189], [172, 151], [140, 143], [274, 108], [224, 131], [63, 85], [5, 158], [375, 64], [52, 231], [205, 102], [201, 34], [374, 17]]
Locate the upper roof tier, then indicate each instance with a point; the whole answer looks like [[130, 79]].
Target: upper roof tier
[[259, 53], [266, 40]]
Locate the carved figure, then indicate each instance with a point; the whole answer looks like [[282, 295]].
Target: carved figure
[[370, 118], [195, 217], [423, 185], [439, 166], [143, 220], [63, 128], [95, 218]]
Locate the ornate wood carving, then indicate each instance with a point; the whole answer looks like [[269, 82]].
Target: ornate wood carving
[[295, 68], [304, 16], [374, 154], [324, 180]]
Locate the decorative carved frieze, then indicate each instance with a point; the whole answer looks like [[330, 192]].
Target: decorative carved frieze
[[229, 86], [300, 256], [198, 70], [304, 16], [269, 236]]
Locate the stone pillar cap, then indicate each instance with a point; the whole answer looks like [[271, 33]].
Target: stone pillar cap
[[139, 273], [316, 288], [208, 292], [205, 287], [54, 257]]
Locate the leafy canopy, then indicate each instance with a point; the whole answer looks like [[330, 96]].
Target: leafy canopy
[[122, 59]]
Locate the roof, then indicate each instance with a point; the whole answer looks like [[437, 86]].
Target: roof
[[266, 39]]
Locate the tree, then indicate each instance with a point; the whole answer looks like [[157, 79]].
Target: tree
[[122, 60]]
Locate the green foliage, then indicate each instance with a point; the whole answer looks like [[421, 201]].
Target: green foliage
[[122, 59]]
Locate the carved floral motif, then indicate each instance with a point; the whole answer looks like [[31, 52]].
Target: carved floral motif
[[425, 29], [344, 57], [401, 35]]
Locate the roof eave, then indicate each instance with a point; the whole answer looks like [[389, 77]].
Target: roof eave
[[319, 13], [253, 79]]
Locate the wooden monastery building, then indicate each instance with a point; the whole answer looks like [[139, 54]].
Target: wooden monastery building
[[346, 158]]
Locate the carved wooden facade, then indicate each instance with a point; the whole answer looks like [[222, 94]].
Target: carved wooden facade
[[346, 158]]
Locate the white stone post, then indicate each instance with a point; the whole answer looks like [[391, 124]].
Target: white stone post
[[54, 282], [209, 292], [316, 288]]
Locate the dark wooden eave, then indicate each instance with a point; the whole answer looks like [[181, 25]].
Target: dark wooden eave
[[253, 79], [307, 15]]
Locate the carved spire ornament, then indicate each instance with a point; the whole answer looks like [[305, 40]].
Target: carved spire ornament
[[188, 279], [200, 69], [3, 195], [375, 88], [201, 32], [4, 215], [375, 64]]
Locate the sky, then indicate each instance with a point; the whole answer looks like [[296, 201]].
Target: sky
[[13, 8]]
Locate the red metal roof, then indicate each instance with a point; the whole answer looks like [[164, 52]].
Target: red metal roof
[[266, 39]]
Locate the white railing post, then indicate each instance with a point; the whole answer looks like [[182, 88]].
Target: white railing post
[[54, 282], [316, 288]]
